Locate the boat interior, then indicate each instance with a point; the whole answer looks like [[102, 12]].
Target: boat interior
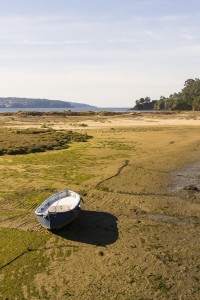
[[66, 201]]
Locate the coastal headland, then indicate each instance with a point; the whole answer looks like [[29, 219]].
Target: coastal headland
[[138, 234]]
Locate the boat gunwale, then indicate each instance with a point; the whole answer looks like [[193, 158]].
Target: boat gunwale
[[53, 197]]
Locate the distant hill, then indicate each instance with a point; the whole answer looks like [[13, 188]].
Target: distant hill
[[13, 102], [81, 105]]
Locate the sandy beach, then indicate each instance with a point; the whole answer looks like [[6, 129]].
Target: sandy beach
[[101, 121]]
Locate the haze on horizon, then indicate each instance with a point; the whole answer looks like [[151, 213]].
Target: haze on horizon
[[105, 53]]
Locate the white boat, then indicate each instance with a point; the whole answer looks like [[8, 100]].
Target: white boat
[[59, 210]]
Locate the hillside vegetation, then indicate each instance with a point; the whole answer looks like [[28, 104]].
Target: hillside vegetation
[[187, 99], [12, 102]]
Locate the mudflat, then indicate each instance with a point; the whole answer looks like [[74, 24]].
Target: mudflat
[[138, 234]]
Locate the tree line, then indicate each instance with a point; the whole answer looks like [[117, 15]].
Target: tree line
[[187, 99]]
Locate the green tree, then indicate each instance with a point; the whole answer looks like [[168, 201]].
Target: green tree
[[160, 104], [196, 103], [187, 99], [147, 100]]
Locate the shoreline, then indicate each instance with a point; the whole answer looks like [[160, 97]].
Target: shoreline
[[91, 120]]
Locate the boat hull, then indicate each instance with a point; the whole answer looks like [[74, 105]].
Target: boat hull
[[54, 212], [58, 220]]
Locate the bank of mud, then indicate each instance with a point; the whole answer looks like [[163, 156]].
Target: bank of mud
[[138, 235]]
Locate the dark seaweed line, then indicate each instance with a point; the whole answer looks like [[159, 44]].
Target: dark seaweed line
[[125, 164], [34, 250], [8, 263]]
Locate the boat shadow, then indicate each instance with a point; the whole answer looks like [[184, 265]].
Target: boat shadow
[[91, 227]]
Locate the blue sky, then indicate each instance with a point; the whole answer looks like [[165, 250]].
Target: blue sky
[[104, 52]]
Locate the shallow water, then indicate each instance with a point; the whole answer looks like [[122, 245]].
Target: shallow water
[[187, 176], [167, 218]]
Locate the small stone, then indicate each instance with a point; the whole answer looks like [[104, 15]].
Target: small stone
[[129, 279], [191, 188]]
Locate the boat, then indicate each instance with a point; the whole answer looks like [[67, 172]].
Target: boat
[[59, 209]]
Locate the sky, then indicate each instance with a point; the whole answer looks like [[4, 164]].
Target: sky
[[106, 53]]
